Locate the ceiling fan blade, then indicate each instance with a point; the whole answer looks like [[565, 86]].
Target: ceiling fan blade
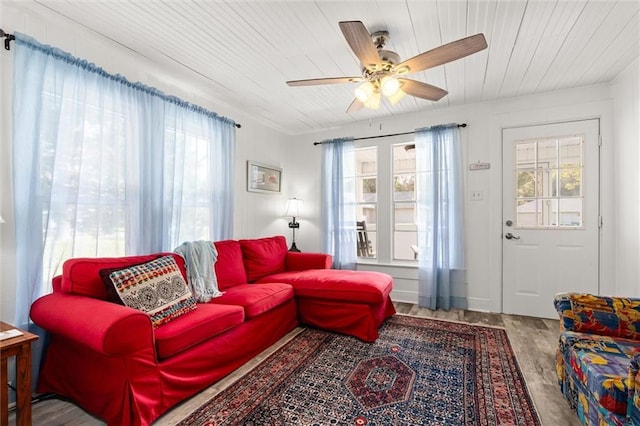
[[318, 81], [360, 42], [441, 55], [355, 106], [421, 90]]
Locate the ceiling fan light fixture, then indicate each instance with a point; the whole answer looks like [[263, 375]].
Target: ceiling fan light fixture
[[374, 100], [389, 85], [395, 98], [364, 92]]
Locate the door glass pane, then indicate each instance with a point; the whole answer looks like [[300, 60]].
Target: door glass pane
[[526, 213], [570, 181], [571, 212], [547, 153], [548, 212], [525, 154], [549, 176], [570, 151], [526, 183]]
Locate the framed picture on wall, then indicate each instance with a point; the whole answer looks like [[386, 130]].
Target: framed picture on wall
[[263, 178]]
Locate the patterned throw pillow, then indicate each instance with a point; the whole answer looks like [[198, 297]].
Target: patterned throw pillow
[[156, 288]]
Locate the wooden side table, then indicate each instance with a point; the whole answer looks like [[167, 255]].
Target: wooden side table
[[20, 347]]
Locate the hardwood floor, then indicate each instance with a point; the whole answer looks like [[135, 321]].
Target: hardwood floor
[[533, 340]]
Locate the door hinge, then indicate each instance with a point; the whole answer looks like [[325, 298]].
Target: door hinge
[[599, 221], [600, 140]]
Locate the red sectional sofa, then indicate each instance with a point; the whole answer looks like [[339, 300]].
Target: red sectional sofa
[[111, 361]]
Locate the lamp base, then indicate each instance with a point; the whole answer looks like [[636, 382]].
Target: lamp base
[[294, 248]]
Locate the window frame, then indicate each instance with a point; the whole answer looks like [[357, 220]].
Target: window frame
[[385, 203]]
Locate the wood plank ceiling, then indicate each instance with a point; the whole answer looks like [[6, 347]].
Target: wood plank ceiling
[[245, 51]]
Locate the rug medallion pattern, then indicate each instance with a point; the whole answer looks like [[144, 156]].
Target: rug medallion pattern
[[419, 372]]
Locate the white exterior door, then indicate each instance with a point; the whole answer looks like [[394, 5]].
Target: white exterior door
[[550, 214]]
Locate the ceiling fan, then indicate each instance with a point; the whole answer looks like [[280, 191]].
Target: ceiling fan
[[382, 71]]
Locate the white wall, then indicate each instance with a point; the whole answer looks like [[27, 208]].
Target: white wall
[[482, 142], [255, 214], [626, 96]]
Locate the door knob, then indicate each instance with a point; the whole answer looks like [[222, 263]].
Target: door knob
[[510, 236]]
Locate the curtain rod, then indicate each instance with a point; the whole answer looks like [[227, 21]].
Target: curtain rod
[[385, 136], [8, 38]]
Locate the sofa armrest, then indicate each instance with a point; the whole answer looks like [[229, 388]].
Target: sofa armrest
[[105, 327], [303, 261], [601, 315], [633, 403]]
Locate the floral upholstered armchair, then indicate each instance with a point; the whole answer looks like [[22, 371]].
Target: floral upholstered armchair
[[598, 357]]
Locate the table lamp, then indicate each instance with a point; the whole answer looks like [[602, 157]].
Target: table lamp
[[293, 211]]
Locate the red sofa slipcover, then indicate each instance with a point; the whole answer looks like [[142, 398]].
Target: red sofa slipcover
[[110, 360], [348, 302]]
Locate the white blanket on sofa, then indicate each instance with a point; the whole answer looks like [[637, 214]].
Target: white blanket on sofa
[[199, 257]]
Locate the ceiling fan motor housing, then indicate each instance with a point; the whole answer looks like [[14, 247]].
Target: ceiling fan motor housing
[[380, 39], [388, 60]]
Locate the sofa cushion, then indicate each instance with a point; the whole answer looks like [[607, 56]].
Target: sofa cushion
[[229, 266], [367, 287], [601, 366], [264, 256], [81, 276], [611, 316], [156, 287], [256, 298], [195, 327]]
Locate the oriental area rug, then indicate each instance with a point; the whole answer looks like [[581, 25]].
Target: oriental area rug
[[419, 372]]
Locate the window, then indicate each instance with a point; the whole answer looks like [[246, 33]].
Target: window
[[549, 175], [405, 230], [386, 202], [191, 190], [366, 200], [118, 168], [83, 179]]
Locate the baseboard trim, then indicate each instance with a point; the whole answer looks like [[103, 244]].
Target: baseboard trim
[[478, 304], [473, 303], [404, 296]]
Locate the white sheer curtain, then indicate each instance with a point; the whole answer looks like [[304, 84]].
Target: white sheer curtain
[[440, 218], [105, 167], [198, 177], [338, 202]]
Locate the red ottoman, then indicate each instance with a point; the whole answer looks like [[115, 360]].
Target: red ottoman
[[349, 302]]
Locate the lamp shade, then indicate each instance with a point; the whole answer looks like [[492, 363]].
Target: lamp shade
[[390, 86], [293, 207], [364, 92]]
